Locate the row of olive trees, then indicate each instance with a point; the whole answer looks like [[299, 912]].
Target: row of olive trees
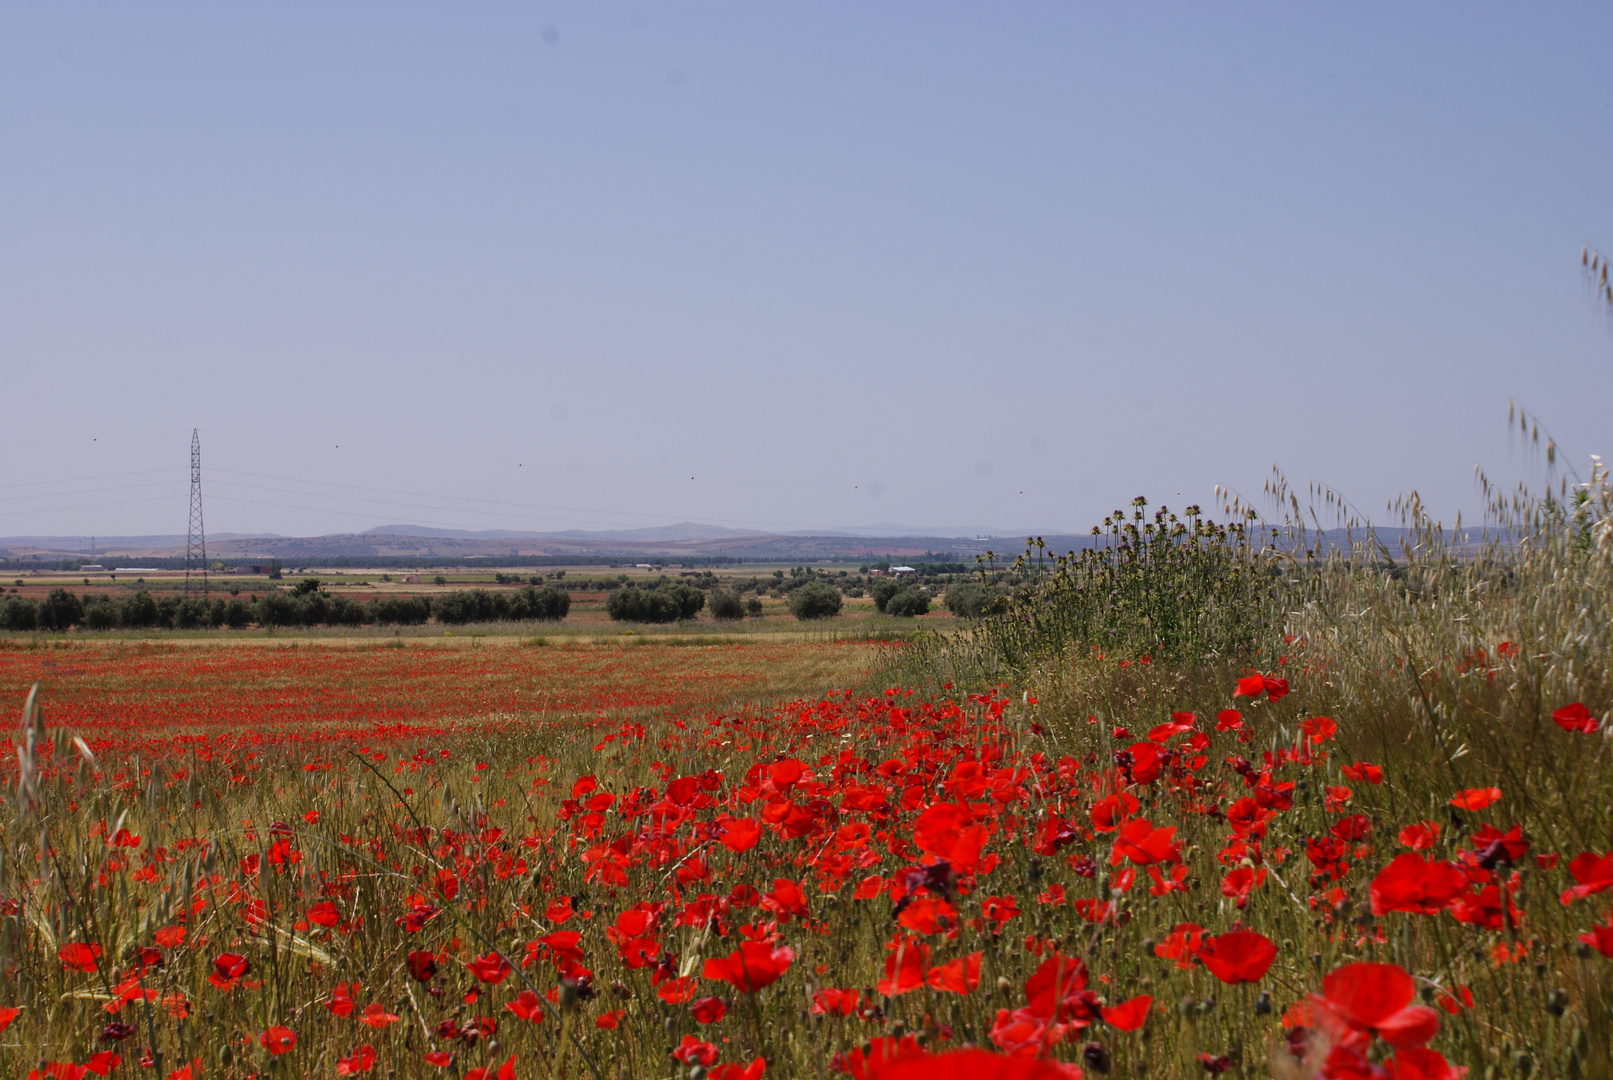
[[305, 605]]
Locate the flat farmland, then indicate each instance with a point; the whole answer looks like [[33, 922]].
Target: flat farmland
[[226, 692]]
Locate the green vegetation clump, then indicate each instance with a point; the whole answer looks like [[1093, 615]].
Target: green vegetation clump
[[815, 601], [661, 602], [972, 600], [907, 603], [883, 590], [726, 605]]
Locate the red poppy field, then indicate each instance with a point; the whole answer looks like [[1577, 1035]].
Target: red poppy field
[[497, 863]]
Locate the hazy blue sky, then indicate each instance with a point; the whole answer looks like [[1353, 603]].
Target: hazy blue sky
[[787, 265]]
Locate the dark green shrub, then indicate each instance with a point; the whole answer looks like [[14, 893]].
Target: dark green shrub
[[400, 610], [753, 607], [726, 605], [663, 603], [278, 609], [548, 603], [972, 600], [19, 613], [347, 612], [60, 610], [470, 605], [237, 613], [883, 590], [815, 601], [138, 611], [192, 613], [907, 603], [100, 613], [168, 609]]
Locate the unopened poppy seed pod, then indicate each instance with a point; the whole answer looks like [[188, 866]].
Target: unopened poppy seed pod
[[1263, 1004]]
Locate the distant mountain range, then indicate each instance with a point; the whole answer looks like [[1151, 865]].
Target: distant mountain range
[[414, 544]]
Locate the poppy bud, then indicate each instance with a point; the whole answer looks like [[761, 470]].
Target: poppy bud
[[1523, 1064], [1426, 993], [1096, 1058], [697, 1072], [1263, 1004], [568, 994], [1556, 1001], [1003, 985]]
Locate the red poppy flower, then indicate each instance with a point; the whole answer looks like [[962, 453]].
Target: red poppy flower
[[1361, 771], [1056, 991], [975, 1065], [422, 966], [505, 1071], [1592, 872], [7, 1016], [376, 1016], [927, 915], [440, 1058], [905, 966], [78, 956], [710, 1010], [527, 1005], [1228, 720], [228, 968], [1421, 836], [832, 1002], [58, 1070], [753, 965], [1575, 717], [1181, 944], [360, 1060], [1238, 956], [277, 1040], [959, 976], [692, 1051], [740, 834], [1250, 686], [1237, 884], [1140, 842], [677, 991], [1128, 1015], [1318, 728], [1411, 884], [1179, 723], [341, 1000], [1600, 938], [1421, 1063], [1110, 812], [730, 1070], [1374, 999], [491, 968], [1476, 798], [609, 1021], [324, 913], [1146, 762]]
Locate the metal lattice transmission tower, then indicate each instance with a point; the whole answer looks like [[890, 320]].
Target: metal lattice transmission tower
[[196, 542]]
